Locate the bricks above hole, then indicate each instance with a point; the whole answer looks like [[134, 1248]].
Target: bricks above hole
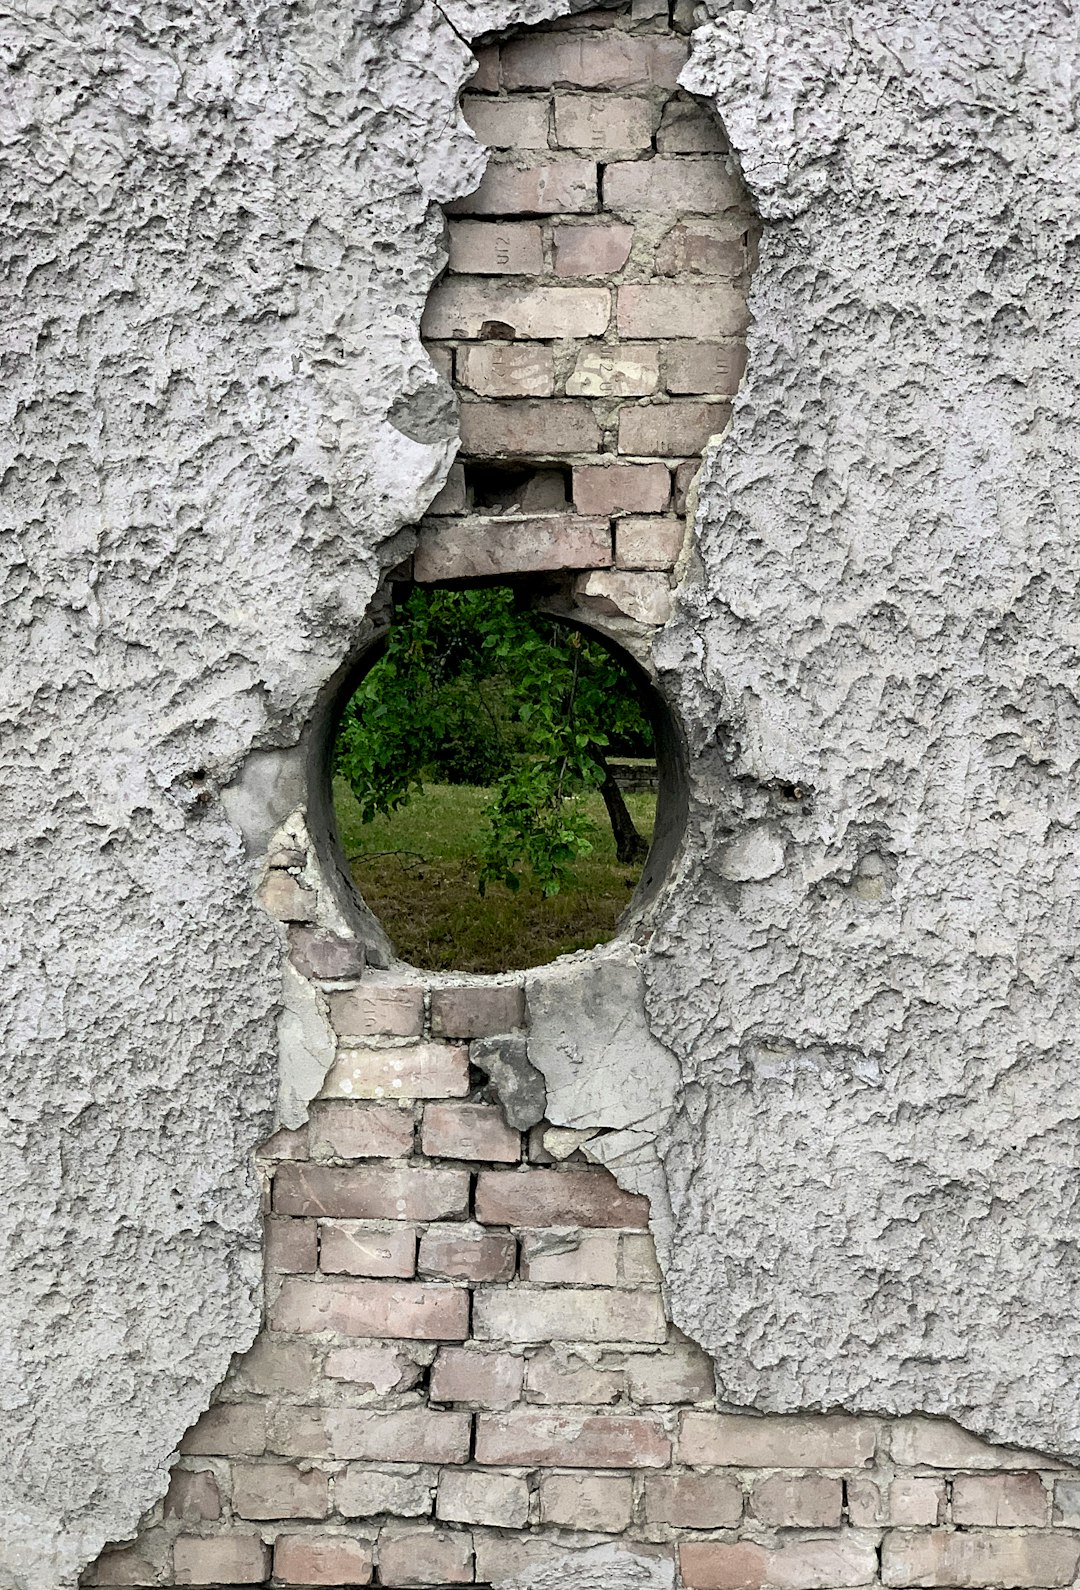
[[473, 548], [476, 1010], [527, 1199]]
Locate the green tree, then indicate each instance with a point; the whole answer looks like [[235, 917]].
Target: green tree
[[474, 688]]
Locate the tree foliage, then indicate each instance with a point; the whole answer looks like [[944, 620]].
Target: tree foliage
[[473, 688]]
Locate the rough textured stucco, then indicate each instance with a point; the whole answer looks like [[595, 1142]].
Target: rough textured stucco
[[867, 967]]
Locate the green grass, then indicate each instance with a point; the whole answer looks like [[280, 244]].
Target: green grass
[[417, 871]]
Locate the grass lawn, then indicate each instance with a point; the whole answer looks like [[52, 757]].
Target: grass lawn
[[424, 890]]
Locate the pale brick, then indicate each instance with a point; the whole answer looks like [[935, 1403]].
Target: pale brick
[[975, 1559], [651, 542], [603, 121], [290, 1246], [518, 123], [1066, 1504], [693, 1501], [687, 128], [467, 1252], [602, 1502], [679, 309], [272, 1367], [310, 1559], [561, 185], [845, 1560], [805, 1501], [598, 250], [568, 1314], [524, 1437], [610, 61], [621, 488], [935, 1443], [137, 1565], [557, 1198], [496, 248], [193, 1496], [469, 1131], [442, 360], [409, 1435], [277, 1490], [528, 427], [227, 1430], [487, 77], [348, 1129], [487, 1380], [372, 1192], [670, 185], [414, 1311], [228, 1559], [464, 308], [692, 367], [638, 1265], [685, 478], [377, 1367], [710, 249], [671, 429], [409, 1071], [378, 1010], [615, 370], [403, 1490], [1016, 1500], [644, 597], [348, 1248], [286, 1144], [685, 1375], [477, 1496], [507, 369], [555, 1375], [866, 1504], [320, 954], [425, 1557], [568, 1258], [453, 498], [477, 1010], [917, 1499], [474, 548], [809, 1441]]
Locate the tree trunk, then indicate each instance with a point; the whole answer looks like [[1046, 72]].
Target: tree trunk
[[629, 845]]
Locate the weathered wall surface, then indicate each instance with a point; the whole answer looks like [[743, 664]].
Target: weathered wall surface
[[223, 227]]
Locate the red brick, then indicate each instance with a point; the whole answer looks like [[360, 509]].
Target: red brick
[[1002, 1499], [571, 1440], [372, 1192], [409, 1310], [193, 1495], [425, 1556], [228, 1559], [290, 1246], [608, 61], [712, 249], [378, 1010], [473, 548], [349, 1249], [615, 370], [603, 121], [679, 309], [487, 1380], [475, 1010], [704, 367], [465, 1252], [323, 955], [570, 1258], [649, 543], [805, 1501], [469, 1131], [528, 427], [286, 1144], [974, 1558], [689, 128], [465, 308], [693, 1501], [671, 429], [815, 1564], [408, 1435], [599, 250], [587, 1501], [561, 185], [808, 1441], [477, 1496], [408, 1071], [644, 597], [496, 248], [310, 1559], [507, 369], [556, 1198], [228, 1429], [348, 1129], [277, 1490], [670, 184], [621, 488], [518, 123]]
